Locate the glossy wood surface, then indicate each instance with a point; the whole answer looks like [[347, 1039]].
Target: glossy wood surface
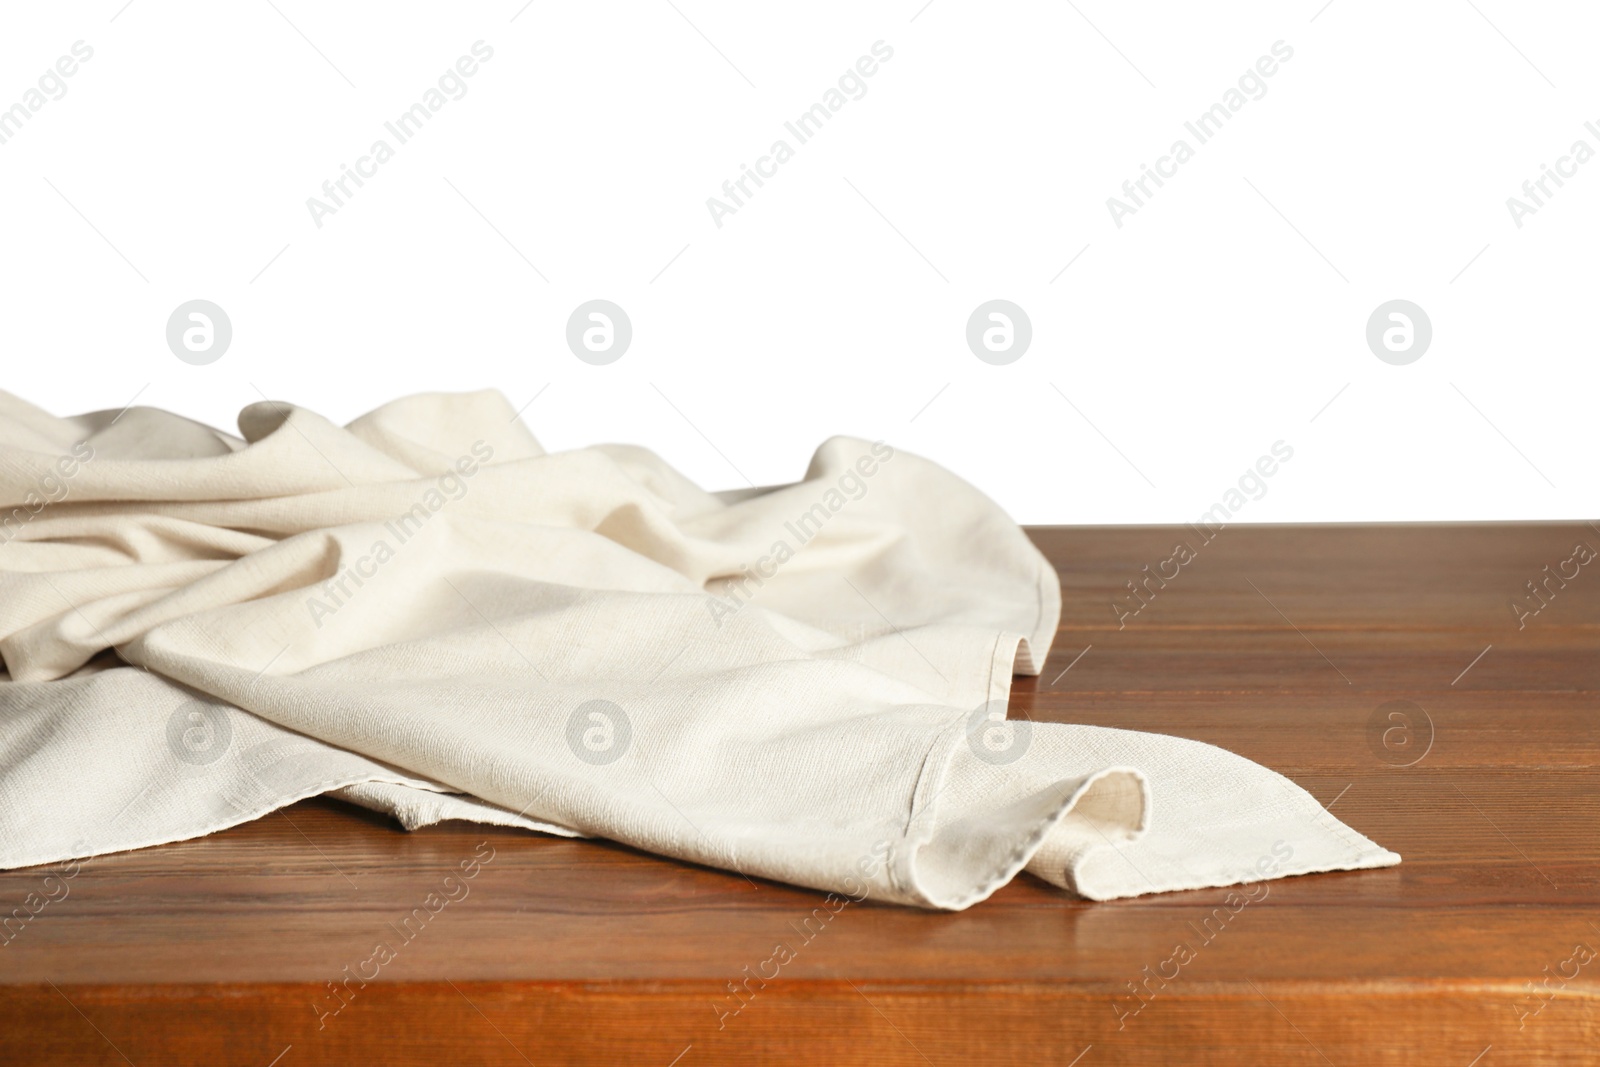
[[1280, 643]]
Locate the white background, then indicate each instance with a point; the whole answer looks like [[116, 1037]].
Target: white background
[[1222, 317]]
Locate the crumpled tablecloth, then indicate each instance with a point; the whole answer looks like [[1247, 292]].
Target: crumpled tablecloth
[[425, 613]]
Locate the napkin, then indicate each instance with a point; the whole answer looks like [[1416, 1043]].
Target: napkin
[[425, 613]]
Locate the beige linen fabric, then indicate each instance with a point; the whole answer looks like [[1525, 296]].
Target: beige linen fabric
[[425, 613]]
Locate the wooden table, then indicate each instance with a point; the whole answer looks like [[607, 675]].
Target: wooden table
[[1284, 644]]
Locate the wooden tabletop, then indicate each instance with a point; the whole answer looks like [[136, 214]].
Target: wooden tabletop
[[1294, 646]]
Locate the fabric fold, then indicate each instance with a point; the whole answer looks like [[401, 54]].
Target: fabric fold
[[424, 613]]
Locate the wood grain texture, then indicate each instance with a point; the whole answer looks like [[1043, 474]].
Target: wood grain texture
[[1281, 644]]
